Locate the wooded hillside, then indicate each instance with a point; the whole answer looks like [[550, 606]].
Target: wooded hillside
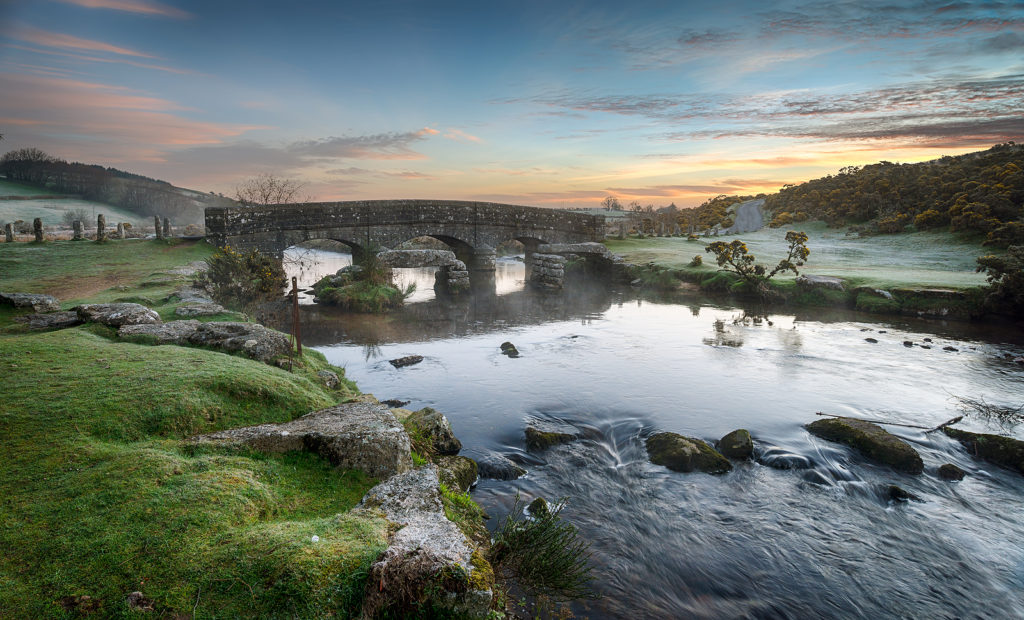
[[980, 192]]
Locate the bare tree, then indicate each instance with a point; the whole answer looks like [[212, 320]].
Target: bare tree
[[270, 189]]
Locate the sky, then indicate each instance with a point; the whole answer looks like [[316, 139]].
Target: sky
[[553, 103]]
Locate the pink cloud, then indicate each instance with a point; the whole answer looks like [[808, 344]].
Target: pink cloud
[[132, 6], [66, 41], [99, 122], [461, 136], [123, 61]]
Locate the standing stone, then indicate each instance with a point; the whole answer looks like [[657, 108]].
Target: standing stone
[[37, 228], [622, 230], [167, 228], [101, 228], [77, 226], [9, 233], [120, 230], [156, 227]]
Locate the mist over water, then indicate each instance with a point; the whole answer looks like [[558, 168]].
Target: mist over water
[[823, 541]]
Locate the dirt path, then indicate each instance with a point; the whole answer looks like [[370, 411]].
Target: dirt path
[[748, 217]]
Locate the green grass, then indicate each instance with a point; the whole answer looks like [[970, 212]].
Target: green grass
[[100, 497], [921, 259], [83, 271]]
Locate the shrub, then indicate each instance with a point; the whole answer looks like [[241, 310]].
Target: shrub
[[239, 280], [1005, 275], [697, 261], [781, 219], [734, 257], [71, 216], [544, 553]]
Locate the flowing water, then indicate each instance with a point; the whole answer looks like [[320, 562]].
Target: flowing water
[[759, 542]]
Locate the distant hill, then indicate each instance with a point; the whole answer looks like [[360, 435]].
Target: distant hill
[[981, 192], [131, 192]]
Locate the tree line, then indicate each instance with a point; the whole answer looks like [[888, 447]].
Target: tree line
[[132, 192]]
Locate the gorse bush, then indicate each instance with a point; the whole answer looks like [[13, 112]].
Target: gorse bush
[[734, 257], [239, 280], [544, 554]]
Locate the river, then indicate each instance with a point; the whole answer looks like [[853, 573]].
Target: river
[[758, 542]]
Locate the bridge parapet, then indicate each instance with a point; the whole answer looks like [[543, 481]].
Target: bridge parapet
[[463, 225]]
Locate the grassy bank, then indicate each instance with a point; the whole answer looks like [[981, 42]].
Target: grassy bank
[[99, 495], [925, 273]]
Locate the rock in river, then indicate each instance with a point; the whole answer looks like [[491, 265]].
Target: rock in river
[[435, 428], [540, 436], [1003, 451], [458, 472], [685, 454], [408, 360], [951, 472], [498, 467], [871, 441], [737, 445], [509, 349]]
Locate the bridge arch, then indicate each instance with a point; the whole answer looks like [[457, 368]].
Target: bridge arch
[[473, 229]]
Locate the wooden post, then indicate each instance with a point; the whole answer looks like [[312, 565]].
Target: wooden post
[[295, 316]]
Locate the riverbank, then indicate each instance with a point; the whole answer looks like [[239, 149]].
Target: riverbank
[[927, 274], [105, 496]]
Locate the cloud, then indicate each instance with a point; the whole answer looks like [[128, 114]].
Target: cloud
[[461, 136], [961, 111], [100, 122], [142, 7], [66, 41], [390, 145], [551, 199], [117, 60]]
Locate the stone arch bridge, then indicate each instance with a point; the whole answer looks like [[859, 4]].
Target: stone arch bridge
[[472, 229]]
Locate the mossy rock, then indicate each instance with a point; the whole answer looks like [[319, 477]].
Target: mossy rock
[[539, 439], [951, 472], [433, 427], [457, 471], [1003, 451], [685, 454], [737, 445], [871, 441], [538, 508]]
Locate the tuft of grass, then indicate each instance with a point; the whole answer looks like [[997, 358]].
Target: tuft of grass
[[544, 554]]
